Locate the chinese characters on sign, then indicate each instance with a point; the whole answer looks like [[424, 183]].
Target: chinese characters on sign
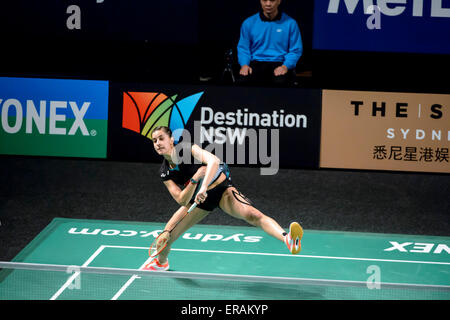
[[400, 153]]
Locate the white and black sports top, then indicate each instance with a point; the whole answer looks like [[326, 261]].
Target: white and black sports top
[[183, 172]]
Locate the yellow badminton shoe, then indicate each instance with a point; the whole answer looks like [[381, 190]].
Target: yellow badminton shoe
[[294, 237]]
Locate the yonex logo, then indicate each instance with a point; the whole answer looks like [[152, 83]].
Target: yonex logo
[[53, 117], [144, 111], [38, 118], [418, 247]]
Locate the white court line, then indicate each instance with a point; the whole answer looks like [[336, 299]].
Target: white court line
[[76, 274], [291, 255], [129, 282]]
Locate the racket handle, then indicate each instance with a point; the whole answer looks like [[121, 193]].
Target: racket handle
[[192, 207]]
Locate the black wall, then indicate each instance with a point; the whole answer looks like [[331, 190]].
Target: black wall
[[181, 41]]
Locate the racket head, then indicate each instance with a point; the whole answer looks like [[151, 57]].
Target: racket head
[[159, 244]]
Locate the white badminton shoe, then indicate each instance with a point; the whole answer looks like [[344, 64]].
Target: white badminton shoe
[[294, 237], [155, 265]]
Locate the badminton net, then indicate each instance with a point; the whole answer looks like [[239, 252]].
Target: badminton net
[[32, 281]]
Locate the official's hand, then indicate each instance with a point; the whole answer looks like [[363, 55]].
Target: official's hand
[[280, 71], [245, 70]]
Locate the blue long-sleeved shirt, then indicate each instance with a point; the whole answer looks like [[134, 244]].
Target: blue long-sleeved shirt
[[276, 41]]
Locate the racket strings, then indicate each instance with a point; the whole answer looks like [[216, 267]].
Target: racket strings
[[160, 243]]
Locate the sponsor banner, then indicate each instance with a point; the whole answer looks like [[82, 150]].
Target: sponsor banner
[[264, 127], [53, 117], [385, 131], [415, 26]]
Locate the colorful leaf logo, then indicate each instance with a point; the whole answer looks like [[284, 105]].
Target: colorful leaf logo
[[144, 111]]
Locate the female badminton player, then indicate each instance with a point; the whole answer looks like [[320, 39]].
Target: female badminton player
[[207, 183]]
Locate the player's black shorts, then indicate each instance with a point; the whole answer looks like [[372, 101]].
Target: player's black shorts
[[215, 195]]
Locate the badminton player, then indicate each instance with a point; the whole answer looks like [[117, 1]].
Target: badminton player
[[207, 182]]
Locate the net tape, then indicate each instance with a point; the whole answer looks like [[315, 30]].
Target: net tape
[[213, 276]]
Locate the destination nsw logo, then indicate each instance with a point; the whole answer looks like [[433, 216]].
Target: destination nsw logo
[[144, 111]]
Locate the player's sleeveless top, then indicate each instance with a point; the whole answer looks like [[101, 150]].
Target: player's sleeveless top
[[183, 172]]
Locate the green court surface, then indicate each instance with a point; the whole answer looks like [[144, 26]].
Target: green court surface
[[342, 257]]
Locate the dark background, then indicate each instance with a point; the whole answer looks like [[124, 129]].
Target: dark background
[[181, 41]]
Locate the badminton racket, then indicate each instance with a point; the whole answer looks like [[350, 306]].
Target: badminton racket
[[160, 242]]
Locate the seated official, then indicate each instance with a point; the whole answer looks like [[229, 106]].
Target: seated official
[[269, 47]]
